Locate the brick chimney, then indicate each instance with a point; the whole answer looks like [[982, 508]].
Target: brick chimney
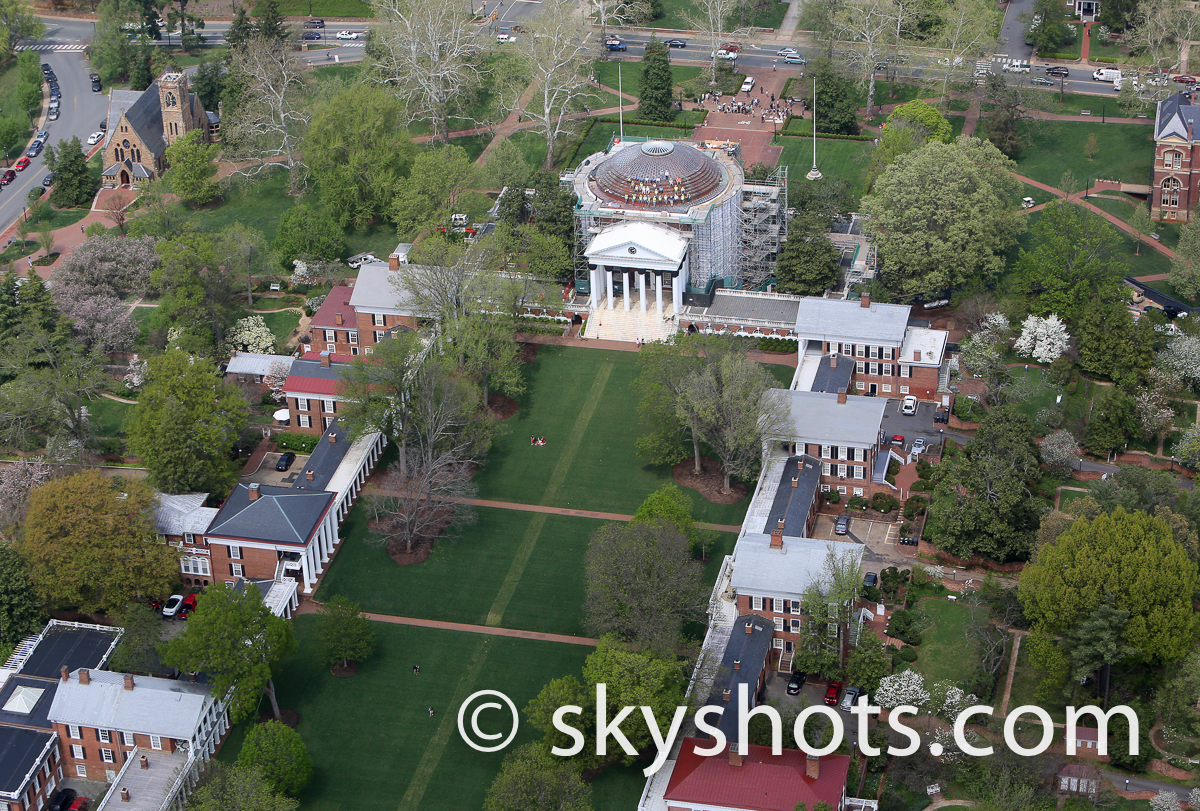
[[64, 673], [128, 681], [233, 353], [865, 302], [253, 491], [726, 694], [337, 319], [842, 395], [325, 358], [332, 438], [143, 763], [124, 795], [833, 361], [84, 676], [749, 628], [812, 769], [776, 542], [916, 354], [309, 475], [735, 757], [737, 664], [795, 482], [394, 261]]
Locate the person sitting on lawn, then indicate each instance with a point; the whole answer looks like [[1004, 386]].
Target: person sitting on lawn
[[532, 439], [541, 441]]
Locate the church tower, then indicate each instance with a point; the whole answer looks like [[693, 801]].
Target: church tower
[[173, 99]]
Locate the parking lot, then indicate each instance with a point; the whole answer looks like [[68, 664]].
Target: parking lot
[[267, 474], [879, 537], [911, 426], [811, 694]]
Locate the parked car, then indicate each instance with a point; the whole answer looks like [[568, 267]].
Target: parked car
[[898, 439], [48, 181], [786, 52], [96, 87], [50, 77], [728, 56], [796, 682], [171, 606], [1043, 81], [314, 24], [1185, 79], [1057, 70], [21, 165], [42, 137], [92, 77], [675, 43], [46, 68], [8, 177], [103, 125], [615, 45], [731, 46], [359, 259], [348, 35], [81, 804], [504, 36], [842, 525], [285, 461], [851, 696], [34, 150], [908, 405], [62, 800], [95, 138], [155, 604], [312, 35], [794, 59], [831, 693], [918, 445], [187, 606], [870, 580], [53, 116]]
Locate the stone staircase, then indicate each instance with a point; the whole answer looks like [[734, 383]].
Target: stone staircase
[[618, 325]]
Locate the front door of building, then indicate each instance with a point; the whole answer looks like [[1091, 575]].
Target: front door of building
[[874, 389]]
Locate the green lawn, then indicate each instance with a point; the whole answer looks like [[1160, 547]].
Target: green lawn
[[631, 75], [944, 652], [282, 324], [884, 93], [320, 8], [1025, 684], [1068, 497], [108, 416], [1100, 46], [372, 739], [1168, 288], [844, 159], [255, 203], [1052, 100], [1185, 413], [1053, 147], [584, 403], [1043, 396]]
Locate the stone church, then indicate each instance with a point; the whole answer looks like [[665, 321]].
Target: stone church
[[141, 125]]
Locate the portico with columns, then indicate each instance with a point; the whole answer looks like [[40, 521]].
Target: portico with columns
[[647, 256]]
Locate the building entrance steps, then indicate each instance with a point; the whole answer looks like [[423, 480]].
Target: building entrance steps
[[619, 324]]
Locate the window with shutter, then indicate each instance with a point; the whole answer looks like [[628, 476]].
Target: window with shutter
[[859, 472], [779, 623], [127, 739], [756, 603], [860, 367], [330, 335], [777, 605], [327, 406], [841, 451], [825, 452], [795, 626], [235, 553], [842, 471], [352, 336], [873, 368], [825, 468], [860, 350], [104, 735], [887, 370], [236, 569], [887, 353], [107, 756], [875, 352], [305, 421], [795, 606], [859, 454], [77, 752], [74, 732], [905, 370]]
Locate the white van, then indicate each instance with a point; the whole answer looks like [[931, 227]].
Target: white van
[[1016, 66], [748, 84], [1106, 75]]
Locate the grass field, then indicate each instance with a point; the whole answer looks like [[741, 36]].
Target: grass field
[[1100, 46], [1053, 147], [282, 324], [1025, 684], [1043, 396], [944, 652], [631, 75], [108, 416], [844, 159], [371, 737], [584, 403], [320, 8]]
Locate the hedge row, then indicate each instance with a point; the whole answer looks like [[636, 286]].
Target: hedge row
[[587, 129], [1065, 57], [298, 443], [1112, 60], [778, 344], [644, 123]]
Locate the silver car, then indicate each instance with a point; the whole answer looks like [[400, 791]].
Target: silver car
[[849, 698]]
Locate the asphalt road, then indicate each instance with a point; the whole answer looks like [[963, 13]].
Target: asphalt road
[[1123, 783]]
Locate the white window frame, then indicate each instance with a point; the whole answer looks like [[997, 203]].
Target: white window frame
[[874, 352], [128, 739], [873, 368], [826, 469], [80, 771], [795, 606], [842, 452], [106, 755], [826, 451], [858, 491], [237, 570], [887, 353], [859, 473], [842, 489], [328, 421], [368, 351], [777, 643], [77, 752], [842, 471], [860, 350], [887, 370], [104, 735], [860, 367], [354, 351], [905, 370], [887, 388], [795, 626], [352, 336], [330, 335], [74, 732], [825, 488], [777, 605], [904, 389], [235, 552], [327, 407], [379, 335], [756, 603], [302, 404], [331, 348], [156, 742], [378, 320], [305, 421], [779, 624], [189, 538], [860, 454], [860, 386]]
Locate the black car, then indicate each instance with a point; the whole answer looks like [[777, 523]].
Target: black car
[[796, 682], [842, 527], [312, 34], [104, 124], [93, 77], [46, 68], [1057, 70], [870, 580], [62, 800], [314, 24], [96, 86], [48, 180], [285, 461], [675, 43]]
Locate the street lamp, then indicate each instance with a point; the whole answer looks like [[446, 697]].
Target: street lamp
[[1172, 464]]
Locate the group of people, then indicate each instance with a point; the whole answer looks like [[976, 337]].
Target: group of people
[[539, 441]]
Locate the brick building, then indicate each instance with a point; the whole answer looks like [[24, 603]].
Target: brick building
[[1176, 134], [142, 125], [334, 326], [381, 306], [313, 390], [181, 520]]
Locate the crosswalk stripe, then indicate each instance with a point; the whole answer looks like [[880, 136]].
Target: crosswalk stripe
[[51, 47]]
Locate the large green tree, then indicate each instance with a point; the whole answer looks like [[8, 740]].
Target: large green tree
[[192, 168], [1127, 560], [227, 787], [1110, 343], [1073, 260], [944, 215], [281, 755], [344, 634], [141, 638], [305, 230], [837, 108], [20, 608], [89, 541], [1185, 268], [1110, 423], [532, 779], [182, 392], [73, 183], [199, 300], [808, 262], [437, 178], [18, 22], [233, 637], [654, 101]]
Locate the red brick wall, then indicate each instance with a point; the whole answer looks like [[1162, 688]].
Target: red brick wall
[[91, 743], [38, 785], [1183, 174], [315, 413], [256, 563], [367, 329]]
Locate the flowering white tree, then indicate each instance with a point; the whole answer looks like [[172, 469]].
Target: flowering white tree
[[17, 480], [1165, 801], [109, 266], [304, 273], [906, 687], [1194, 798], [100, 321], [1060, 451], [947, 700], [251, 334], [1154, 413], [135, 378], [276, 377], [1181, 357], [1187, 450], [993, 328], [936, 573], [1043, 339]]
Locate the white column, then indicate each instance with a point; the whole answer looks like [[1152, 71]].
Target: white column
[[333, 533], [628, 288], [596, 275], [642, 290], [658, 292], [306, 573], [677, 293], [608, 281]]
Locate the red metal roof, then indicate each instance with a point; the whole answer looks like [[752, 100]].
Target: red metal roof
[[311, 385], [315, 354], [762, 783], [338, 301]]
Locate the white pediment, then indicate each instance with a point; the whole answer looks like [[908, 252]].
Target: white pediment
[[638, 245]]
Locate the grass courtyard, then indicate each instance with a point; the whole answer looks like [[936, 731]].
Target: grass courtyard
[[1053, 147], [372, 739], [845, 159], [944, 652]]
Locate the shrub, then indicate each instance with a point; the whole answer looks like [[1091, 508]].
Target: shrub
[[1073, 386], [884, 502], [890, 581], [778, 345], [922, 486], [856, 502], [907, 654], [902, 626], [905, 528], [924, 469], [872, 594], [833, 496], [893, 467], [915, 506], [298, 443]]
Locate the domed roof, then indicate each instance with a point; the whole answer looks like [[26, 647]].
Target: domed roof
[[659, 174]]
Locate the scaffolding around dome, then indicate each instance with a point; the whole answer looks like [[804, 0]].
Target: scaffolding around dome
[[675, 192]]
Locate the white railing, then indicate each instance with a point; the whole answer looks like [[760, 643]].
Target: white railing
[[173, 791]]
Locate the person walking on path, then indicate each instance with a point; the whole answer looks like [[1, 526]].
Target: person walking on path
[[431, 712]]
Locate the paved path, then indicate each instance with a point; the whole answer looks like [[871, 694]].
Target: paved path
[[1012, 672], [1135, 784], [117, 399]]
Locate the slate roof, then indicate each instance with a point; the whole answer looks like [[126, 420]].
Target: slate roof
[[278, 515], [818, 417], [181, 513], [826, 319], [759, 569], [830, 378], [792, 503], [72, 646], [752, 651], [308, 376], [143, 111], [1175, 116], [338, 301], [23, 688], [135, 170], [780, 309], [166, 707], [19, 752], [761, 783], [325, 458]]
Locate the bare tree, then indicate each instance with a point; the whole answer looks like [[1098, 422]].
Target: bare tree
[[643, 583], [710, 18], [869, 24], [967, 32], [617, 12], [114, 211], [557, 53], [427, 52], [431, 501], [17, 480], [266, 128], [1163, 29]]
